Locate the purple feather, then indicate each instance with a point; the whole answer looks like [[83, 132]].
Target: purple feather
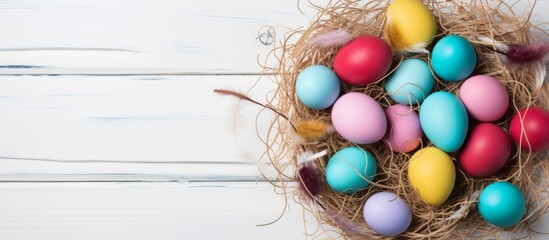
[[527, 53], [310, 180], [333, 38], [345, 223]]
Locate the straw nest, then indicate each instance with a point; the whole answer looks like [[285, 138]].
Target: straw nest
[[471, 19]]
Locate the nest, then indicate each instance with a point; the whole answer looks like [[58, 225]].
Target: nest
[[527, 170]]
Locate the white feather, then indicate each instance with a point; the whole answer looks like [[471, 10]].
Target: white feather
[[308, 156], [502, 47], [464, 209], [417, 48], [540, 73]]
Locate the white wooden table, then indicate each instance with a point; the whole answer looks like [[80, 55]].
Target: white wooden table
[[109, 128]]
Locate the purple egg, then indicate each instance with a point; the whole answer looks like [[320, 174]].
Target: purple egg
[[387, 214]]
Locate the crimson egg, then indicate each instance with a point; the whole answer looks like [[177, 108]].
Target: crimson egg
[[485, 151], [363, 60], [530, 129]]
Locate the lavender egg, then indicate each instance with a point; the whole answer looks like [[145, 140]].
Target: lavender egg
[[387, 214]]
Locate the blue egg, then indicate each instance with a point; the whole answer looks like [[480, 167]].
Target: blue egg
[[444, 120], [411, 82], [317, 87], [453, 58], [502, 204], [348, 168]]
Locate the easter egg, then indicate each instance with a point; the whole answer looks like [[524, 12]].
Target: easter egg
[[363, 60], [502, 204], [348, 168], [485, 98], [444, 120], [317, 87], [530, 129], [411, 82], [387, 214], [358, 118], [486, 150], [403, 129], [410, 25], [432, 173], [453, 58]]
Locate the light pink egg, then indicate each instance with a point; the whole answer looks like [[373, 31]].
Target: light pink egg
[[403, 129], [485, 98], [358, 118]]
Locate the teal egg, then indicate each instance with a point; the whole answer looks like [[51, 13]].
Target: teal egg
[[453, 58], [317, 87], [502, 204], [411, 82], [348, 168], [444, 120]]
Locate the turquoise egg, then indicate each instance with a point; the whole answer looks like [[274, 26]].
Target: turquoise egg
[[453, 58], [348, 168], [317, 87], [411, 82], [502, 204], [444, 120]]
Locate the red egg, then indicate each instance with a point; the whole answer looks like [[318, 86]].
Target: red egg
[[534, 131], [485, 151], [363, 60]]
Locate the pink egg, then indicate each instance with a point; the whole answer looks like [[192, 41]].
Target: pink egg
[[485, 98], [403, 129], [358, 118]]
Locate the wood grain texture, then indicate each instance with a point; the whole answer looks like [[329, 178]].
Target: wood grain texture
[[163, 211], [151, 37], [145, 211], [156, 125], [139, 37]]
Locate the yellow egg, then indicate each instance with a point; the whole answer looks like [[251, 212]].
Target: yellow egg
[[432, 173], [410, 25]]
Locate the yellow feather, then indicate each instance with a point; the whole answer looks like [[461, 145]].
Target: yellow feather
[[311, 130]]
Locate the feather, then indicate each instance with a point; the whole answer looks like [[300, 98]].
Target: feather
[[237, 95], [309, 180], [333, 38], [464, 209], [540, 73], [531, 55], [420, 47], [527, 53], [308, 156], [345, 223], [242, 96], [311, 130], [500, 47], [308, 173]]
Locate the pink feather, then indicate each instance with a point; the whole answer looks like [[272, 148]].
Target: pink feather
[[333, 38], [345, 223], [527, 53]]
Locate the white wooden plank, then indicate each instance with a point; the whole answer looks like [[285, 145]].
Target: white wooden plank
[[144, 211], [145, 122], [80, 211], [128, 36], [150, 37]]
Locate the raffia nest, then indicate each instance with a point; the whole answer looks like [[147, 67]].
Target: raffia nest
[[471, 19]]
